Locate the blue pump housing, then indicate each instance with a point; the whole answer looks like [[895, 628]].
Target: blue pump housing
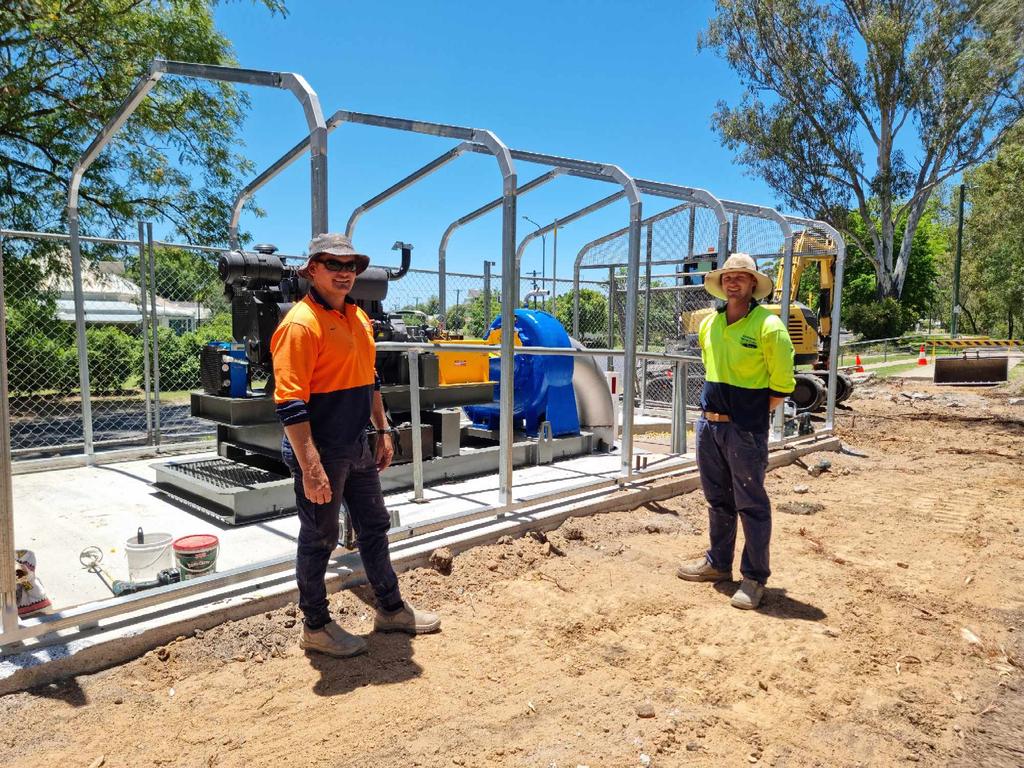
[[542, 384]]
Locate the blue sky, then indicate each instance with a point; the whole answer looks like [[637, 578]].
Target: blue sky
[[606, 81]]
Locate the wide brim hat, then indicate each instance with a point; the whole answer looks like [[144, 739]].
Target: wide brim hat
[[333, 244], [738, 262]]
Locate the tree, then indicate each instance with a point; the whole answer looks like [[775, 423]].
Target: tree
[[993, 251], [593, 312], [65, 67], [825, 79]]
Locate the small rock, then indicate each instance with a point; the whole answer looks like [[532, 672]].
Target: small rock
[[799, 507], [1016, 401], [199, 634], [801, 488], [546, 549], [258, 658], [652, 528], [492, 565], [289, 623], [163, 653], [268, 615], [830, 632], [170, 692], [98, 761], [692, 746], [119, 700], [753, 758], [902, 565], [504, 540], [290, 611], [538, 536], [762, 685], [573, 534], [441, 560], [645, 710], [645, 760], [238, 657]]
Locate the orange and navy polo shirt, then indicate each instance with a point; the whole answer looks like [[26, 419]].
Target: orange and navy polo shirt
[[324, 371]]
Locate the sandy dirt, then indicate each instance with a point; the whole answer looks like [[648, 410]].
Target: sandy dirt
[[891, 634]]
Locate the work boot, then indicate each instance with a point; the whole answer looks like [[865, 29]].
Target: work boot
[[749, 595], [406, 619], [702, 570], [332, 640]]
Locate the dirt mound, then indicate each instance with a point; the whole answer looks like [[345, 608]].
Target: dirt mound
[[890, 633]]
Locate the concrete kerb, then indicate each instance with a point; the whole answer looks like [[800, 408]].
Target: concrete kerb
[[87, 653]]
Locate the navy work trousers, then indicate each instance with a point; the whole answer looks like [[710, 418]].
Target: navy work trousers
[[354, 479], [732, 463]]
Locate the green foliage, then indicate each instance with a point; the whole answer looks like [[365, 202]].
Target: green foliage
[[179, 354], [113, 355], [881, 319], [477, 319], [593, 312], [833, 91], [992, 282], [66, 67]]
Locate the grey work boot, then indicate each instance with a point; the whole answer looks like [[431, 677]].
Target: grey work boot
[[407, 619], [702, 570], [749, 595], [332, 640]]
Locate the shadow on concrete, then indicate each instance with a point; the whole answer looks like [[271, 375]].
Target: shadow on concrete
[[388, 660]]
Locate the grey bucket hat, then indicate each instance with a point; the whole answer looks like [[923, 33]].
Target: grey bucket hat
[[333, 244]]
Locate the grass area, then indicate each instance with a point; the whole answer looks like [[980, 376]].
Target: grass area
[[892, 370]]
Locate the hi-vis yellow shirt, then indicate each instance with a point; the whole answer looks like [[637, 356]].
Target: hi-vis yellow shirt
[[744, 364]]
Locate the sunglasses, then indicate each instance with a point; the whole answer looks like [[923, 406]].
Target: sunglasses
[[333, 265]]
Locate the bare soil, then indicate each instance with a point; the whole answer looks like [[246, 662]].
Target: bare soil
[[891, 634]]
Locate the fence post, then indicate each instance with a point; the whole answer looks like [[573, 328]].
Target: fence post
[[8, 587], [487, 296], [611, 315], [155, 318], [83, 350], [679, 385], [647, 317], [885, 351], [146, 389], [442, 296]]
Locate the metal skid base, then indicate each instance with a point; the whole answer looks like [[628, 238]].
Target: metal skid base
[[228, 491], [236, 493]]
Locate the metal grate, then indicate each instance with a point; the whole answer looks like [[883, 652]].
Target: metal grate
[[224, 473]]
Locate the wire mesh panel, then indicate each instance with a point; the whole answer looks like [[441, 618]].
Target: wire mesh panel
[[186, 303], [43, 361], [677, 247]]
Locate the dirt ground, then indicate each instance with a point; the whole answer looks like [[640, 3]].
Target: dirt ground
[[893, 632]]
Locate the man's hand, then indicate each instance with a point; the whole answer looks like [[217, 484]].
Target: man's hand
[[775, 402], [385, 451], [315, 484]]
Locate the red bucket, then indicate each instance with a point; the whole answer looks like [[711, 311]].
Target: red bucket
[[196, 555]]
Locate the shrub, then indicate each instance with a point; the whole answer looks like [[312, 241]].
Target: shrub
[[880, 320], [113, 357]]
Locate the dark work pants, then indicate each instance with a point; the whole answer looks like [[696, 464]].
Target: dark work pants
[[353, 476], [732, 465]]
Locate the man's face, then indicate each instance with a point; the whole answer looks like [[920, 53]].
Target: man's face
[[333, 277], [738, 285]]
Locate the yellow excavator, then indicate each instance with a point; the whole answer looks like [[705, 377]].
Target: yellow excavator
[[810, 331]]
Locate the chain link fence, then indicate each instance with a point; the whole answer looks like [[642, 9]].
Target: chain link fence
[[128, 327]]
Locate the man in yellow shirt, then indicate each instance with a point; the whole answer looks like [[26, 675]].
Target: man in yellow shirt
[[748, 363]]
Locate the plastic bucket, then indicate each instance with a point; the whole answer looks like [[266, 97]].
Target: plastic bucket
[[146, 558], [196, 555]]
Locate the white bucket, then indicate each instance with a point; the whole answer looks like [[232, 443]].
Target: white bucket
[[147, 559]]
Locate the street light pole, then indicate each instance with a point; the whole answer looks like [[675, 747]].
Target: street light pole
[[543, 253]]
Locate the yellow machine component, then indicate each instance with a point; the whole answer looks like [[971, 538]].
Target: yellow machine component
[[468, 367]]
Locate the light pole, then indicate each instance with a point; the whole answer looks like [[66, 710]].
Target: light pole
[[543, 250]]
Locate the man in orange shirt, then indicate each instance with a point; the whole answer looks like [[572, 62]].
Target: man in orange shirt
[[327, 393]]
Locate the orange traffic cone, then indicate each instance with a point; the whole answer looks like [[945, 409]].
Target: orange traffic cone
[[921, 359], [857, 366]]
